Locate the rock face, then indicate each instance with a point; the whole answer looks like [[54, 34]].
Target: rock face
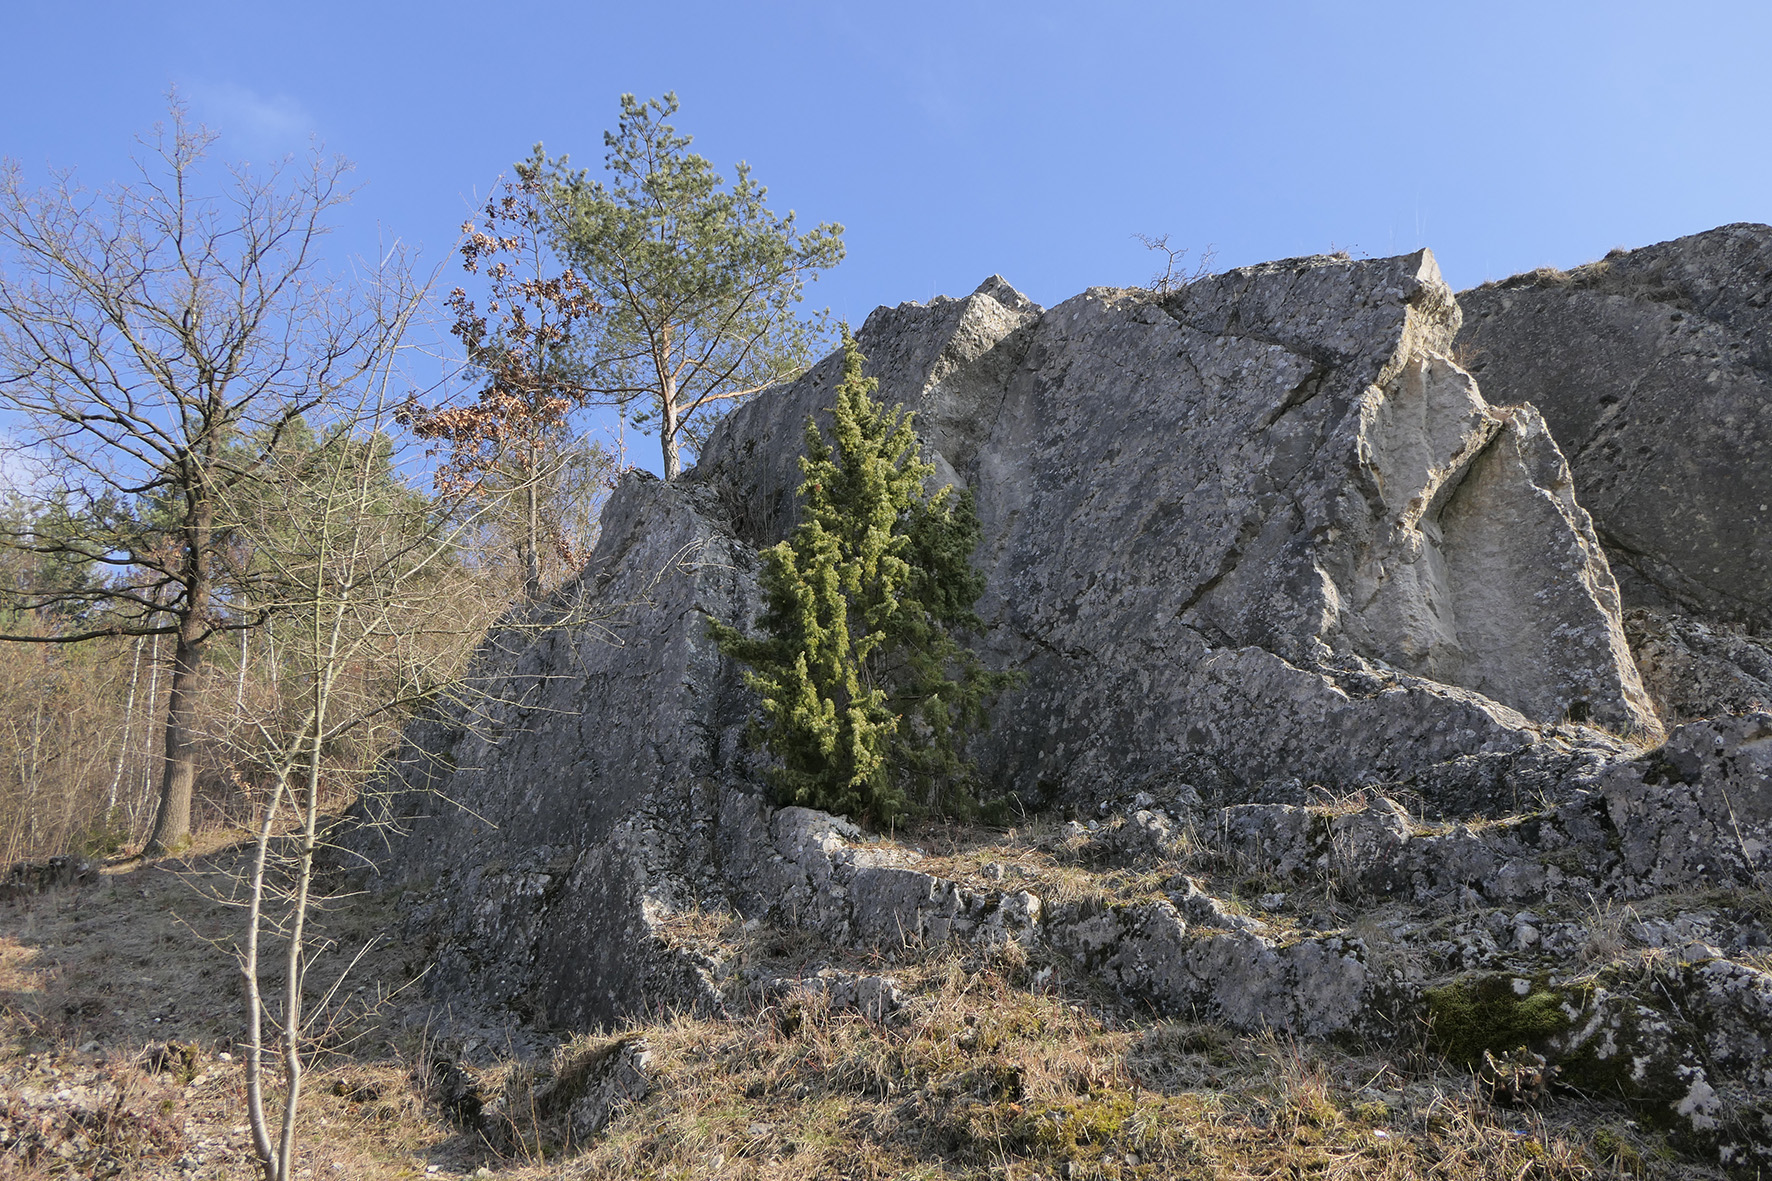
[[1218, 523], [1653, 368], [1219, 527], [549, 820], [1257, 545]]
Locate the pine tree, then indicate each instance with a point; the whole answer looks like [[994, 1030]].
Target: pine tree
[[699, 281], [866, 691]]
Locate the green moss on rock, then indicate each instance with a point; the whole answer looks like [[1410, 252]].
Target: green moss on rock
[[1497, 1011]]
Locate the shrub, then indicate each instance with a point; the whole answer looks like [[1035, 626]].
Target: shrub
[[866, 690]]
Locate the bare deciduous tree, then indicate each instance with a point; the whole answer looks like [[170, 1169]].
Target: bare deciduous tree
[[156, 339], [1175, 274], [358, 592], [377, 611]]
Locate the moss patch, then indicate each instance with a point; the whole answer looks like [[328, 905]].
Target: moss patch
[[1496, 1011]]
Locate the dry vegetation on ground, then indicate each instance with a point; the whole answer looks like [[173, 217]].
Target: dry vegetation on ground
[[120, 1003]]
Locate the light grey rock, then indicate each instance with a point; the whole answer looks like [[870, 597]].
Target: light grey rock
[[902, 907], [1695, 670], [1731, 1003], [1222, 523], [1697, 811], [801, 868], [1694, 812], [1690, 1041], [1654, 371], [543, 830], [623, 1078], [1253, 536], [1366, 848], [1311, 986], [1285, 840], [875, 997], [1203, 910], [1141, 836], [575, 1101]]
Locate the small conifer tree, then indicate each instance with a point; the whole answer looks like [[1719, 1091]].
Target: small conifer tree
[[866, 691]]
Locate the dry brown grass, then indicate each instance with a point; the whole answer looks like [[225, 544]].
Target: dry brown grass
[[96, 981], [979, 1080], [982, 1073]]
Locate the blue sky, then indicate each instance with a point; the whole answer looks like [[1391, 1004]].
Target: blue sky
[[959, 139]]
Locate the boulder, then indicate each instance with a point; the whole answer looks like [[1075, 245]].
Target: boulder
[[1221, 523], [1653, 368], [1696, 813]]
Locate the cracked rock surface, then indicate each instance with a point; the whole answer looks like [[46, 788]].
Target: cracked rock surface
[[1653, 368], [1219, 523]]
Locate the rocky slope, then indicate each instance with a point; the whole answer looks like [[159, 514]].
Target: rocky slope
[[1324, 657]]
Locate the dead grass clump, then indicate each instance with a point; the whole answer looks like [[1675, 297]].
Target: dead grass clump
[[544, 1112]]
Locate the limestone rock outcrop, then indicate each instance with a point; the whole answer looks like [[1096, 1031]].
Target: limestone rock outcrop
[[1298, 604], [1653, 368], [1218, 523], [1254, 535], [544, 823]]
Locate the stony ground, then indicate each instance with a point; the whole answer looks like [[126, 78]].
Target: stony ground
[[120, 1014]]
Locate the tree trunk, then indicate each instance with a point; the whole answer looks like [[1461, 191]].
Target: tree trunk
[[240, 673], [532, 527], [172, 819], [128, 730], [667, 433], [140, 800]]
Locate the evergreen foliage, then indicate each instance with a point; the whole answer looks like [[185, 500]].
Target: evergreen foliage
[[866, 692], [698, 281]]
